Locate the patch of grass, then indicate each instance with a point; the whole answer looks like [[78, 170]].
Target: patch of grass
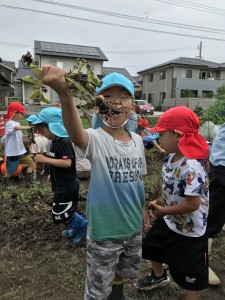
[[72, 273], [17, 293], [37, 192]]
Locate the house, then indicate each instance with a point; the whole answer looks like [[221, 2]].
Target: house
[[182, 77], [60, 55], [138, 90], [124, 72], [7, 73]]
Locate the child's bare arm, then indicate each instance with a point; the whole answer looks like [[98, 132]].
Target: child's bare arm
[[55, 78], [190, 204], [146, 221], [61, 163], [22, 127], [157, 146]]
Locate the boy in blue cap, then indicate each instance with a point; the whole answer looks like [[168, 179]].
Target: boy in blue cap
[[116, 191], [39, 144], [65, 184]]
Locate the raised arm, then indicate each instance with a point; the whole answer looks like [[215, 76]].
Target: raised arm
[[55, 78]]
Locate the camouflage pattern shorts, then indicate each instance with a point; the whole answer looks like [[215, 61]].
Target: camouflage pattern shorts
[[104, 258]]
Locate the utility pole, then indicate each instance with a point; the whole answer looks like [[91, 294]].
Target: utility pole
[[200, 50]]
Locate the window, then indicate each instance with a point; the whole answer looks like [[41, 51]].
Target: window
[[162, 96], [162, 75], [207, 94], [188, 93], [186, 73], [150, 98], [205, 75], [92, 65], [144, 96], [59, 64], [150, 77]]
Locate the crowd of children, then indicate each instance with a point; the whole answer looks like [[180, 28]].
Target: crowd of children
[[117, 213]]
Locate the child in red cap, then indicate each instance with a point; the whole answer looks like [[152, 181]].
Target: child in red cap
[[178, 234], [142, 124], [14, 146]]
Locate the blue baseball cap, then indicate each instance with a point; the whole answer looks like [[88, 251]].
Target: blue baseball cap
[[116, 79], [32, 118], [53, 117]]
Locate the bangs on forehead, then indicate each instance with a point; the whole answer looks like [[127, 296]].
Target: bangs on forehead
[[121, 90], [41, 125]]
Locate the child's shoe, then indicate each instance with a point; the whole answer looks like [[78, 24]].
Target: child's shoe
[[77, 229], [29, 179], [117, 293], [69, 233], [151, 282]]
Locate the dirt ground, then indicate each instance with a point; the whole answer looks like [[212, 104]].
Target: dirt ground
[[37, 263]]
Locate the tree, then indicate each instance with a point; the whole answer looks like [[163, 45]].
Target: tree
[[214, 113], [221, 92]]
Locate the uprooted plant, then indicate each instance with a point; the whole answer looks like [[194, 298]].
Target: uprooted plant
[[81, 86]]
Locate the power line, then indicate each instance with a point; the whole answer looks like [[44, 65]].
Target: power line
[[150, 51], [195, 6], [16, 45], [131, 17], [115, 24], [198, 5]]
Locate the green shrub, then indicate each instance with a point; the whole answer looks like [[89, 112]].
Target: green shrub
[[214, 113], [159, 107]]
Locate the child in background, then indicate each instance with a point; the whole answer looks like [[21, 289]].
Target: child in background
[[40, 144], [178, 235], [65, 184], [116, 191], [13, 140], [142, 124], [150, 140]]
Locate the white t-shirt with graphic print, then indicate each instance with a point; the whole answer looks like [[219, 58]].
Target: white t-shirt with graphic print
[[186, 177], [116, 191]]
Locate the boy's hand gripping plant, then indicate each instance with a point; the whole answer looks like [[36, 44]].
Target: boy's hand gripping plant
[[81, 86]]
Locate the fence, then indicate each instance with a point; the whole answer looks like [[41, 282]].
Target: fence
[[192, 103]]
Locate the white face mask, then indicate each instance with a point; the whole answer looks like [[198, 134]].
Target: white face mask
[[104, 122]]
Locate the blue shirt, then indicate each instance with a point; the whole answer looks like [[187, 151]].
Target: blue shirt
[[217, 155]]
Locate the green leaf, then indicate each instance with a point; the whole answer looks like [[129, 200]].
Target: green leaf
[[45, 100], [35, 94], [30, 79], [36, 70]]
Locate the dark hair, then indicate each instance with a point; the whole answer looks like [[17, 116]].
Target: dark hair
[[42, 125]]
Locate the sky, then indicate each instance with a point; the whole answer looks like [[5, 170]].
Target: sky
[[132, 34]]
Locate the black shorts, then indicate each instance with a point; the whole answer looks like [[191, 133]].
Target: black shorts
[[187, 257], [64, 205]]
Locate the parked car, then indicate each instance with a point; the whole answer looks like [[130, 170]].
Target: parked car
[[143, 107]]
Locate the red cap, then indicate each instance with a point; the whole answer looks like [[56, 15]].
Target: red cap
[[184, 120], [13, 108]]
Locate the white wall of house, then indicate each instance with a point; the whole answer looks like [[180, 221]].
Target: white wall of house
[[68, 63]]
